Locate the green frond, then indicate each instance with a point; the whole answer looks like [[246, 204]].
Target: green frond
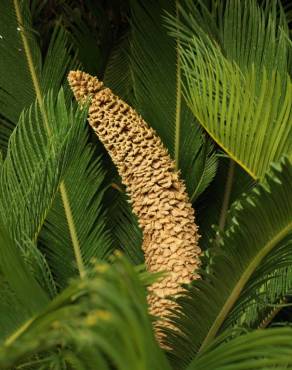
[[242, 98], [256, 231], [201, 169], [85, 184], [60, 58], [12, 310], [210, 206], [124, 226], [156, 72], [50, 74], [186, 66], [261, 349], [25, 74], [270, 284], [92, 31], [117, 74], [16, 87], [38, 266], [37, 162], [95, 323], [245, 33], [85, 37], [34, 164], [27, 290]]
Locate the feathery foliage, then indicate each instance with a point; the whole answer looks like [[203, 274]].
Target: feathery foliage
[[29, 293], [222, 65], [246, 352], [32, 75], [12, 311], [156, 71], [230, 182], [256, 231], [41, 76], [109, 307], [92, 321], [85, 196], [124, 226], [237, 83], [34, 165]]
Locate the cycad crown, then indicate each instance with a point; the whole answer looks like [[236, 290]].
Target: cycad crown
[[157, 194]]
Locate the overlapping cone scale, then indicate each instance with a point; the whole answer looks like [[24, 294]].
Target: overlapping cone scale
[[158, 196]]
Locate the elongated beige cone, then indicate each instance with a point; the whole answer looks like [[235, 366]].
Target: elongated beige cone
[[158, 196]]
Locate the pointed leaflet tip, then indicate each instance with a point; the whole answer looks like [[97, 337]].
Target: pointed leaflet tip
[[83, 85]]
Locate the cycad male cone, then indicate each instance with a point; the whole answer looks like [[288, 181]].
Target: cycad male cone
[[158, 196]]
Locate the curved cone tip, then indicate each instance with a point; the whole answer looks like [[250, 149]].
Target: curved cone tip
[[83, 85]]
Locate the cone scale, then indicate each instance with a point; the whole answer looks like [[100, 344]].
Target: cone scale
[[157, 194]]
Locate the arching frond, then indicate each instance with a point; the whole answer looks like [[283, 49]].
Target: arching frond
[[40, 76], [12, 311], [262, 349], [241, 91], [30, 75], [258, 228], [118, 71], [124, 226], [38, 265], [156, 71], [268, 288], [38, 160], [17, 90], [95, 323], [261, 40], [212, 203], [85, 184], [35, 163], [28, 292]]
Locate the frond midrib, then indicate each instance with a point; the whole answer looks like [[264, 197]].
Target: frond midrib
[[18, 332], [242, 282], [63, 190], [230, 154]]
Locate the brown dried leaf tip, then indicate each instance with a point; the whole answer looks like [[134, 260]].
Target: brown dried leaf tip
[[158, 196]]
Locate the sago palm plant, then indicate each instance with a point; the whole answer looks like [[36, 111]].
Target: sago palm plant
[[163, 241]]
